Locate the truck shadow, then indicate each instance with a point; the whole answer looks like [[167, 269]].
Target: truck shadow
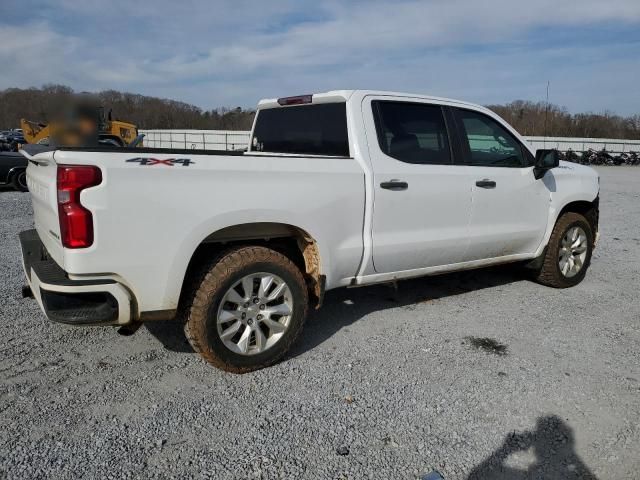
[[344, 306], [552, 446]]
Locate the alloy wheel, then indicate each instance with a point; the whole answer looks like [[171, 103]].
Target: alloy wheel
[[573, 251], [254, 313]]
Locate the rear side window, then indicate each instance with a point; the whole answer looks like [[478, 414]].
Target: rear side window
[[305, 129], [412, 132]]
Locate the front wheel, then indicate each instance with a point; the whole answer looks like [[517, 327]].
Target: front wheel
[[568, 253], [248, 310]]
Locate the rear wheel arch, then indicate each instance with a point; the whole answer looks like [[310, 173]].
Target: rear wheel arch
[[291, 241]]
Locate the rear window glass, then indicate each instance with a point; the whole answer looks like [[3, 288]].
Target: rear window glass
[[305, 129], [412, 132]]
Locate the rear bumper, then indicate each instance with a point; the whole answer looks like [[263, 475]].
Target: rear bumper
[[76, 302]]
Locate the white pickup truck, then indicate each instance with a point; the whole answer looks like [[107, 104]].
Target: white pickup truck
[[337, 189]]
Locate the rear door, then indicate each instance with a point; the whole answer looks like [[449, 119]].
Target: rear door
[[509, 206], [422, 199]]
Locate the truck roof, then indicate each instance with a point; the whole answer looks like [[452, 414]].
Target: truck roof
[[344, 95]]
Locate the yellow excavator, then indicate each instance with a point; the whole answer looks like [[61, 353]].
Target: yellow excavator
[[83, 125]]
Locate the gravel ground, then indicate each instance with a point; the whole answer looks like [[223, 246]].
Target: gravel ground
[[383, 385]]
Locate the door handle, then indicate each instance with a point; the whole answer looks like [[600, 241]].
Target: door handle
[[486, 183], [394, 185]]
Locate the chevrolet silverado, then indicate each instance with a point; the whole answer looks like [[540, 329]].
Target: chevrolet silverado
[[338, 189]]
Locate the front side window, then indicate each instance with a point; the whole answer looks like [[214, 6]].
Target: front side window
[[319, 129], [412, 132], [489, 143]]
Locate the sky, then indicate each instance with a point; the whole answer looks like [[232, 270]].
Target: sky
[[215, 53]]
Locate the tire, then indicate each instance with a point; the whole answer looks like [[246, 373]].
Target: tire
[[19, 181], [551, 273], [213, 299]]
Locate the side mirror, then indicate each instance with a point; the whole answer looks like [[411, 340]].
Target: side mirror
[[545, 160]]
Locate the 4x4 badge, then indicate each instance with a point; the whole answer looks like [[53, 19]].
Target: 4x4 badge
[[170, 162]]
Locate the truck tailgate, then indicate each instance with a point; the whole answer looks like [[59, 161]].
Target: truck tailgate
[[41, 179]]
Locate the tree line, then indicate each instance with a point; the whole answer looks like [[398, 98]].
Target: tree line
[[41, 104], [529, 118], [546, 119]]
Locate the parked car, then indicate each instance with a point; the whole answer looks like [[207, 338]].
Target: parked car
[[338, 189], [13, 168], [10, 140]]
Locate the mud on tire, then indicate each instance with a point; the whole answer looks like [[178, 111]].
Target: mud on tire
[[550, 273], [213, 287]]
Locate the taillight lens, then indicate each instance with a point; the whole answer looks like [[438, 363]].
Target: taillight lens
[[76, 222]]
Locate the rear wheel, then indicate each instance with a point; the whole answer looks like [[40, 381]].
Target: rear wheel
[[19, 181], [248, 309], [568, 253]]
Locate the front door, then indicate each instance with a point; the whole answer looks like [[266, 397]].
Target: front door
[[422, 200], [509, 206]]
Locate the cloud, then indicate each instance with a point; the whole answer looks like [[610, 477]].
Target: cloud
[[27, 53], [235, 52]]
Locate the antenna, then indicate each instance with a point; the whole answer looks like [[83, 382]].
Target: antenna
[[546, 115]]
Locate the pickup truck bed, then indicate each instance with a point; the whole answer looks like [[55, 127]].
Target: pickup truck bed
[[338, 189], [107, 149]]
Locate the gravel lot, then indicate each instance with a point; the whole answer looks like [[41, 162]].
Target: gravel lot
[[384, 384]]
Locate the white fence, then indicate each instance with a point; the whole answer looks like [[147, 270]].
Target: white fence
[[239, 139], [564, 144], [196, 139]]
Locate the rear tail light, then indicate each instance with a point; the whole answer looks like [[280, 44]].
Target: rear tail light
[[76, 222], [299, 100]]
